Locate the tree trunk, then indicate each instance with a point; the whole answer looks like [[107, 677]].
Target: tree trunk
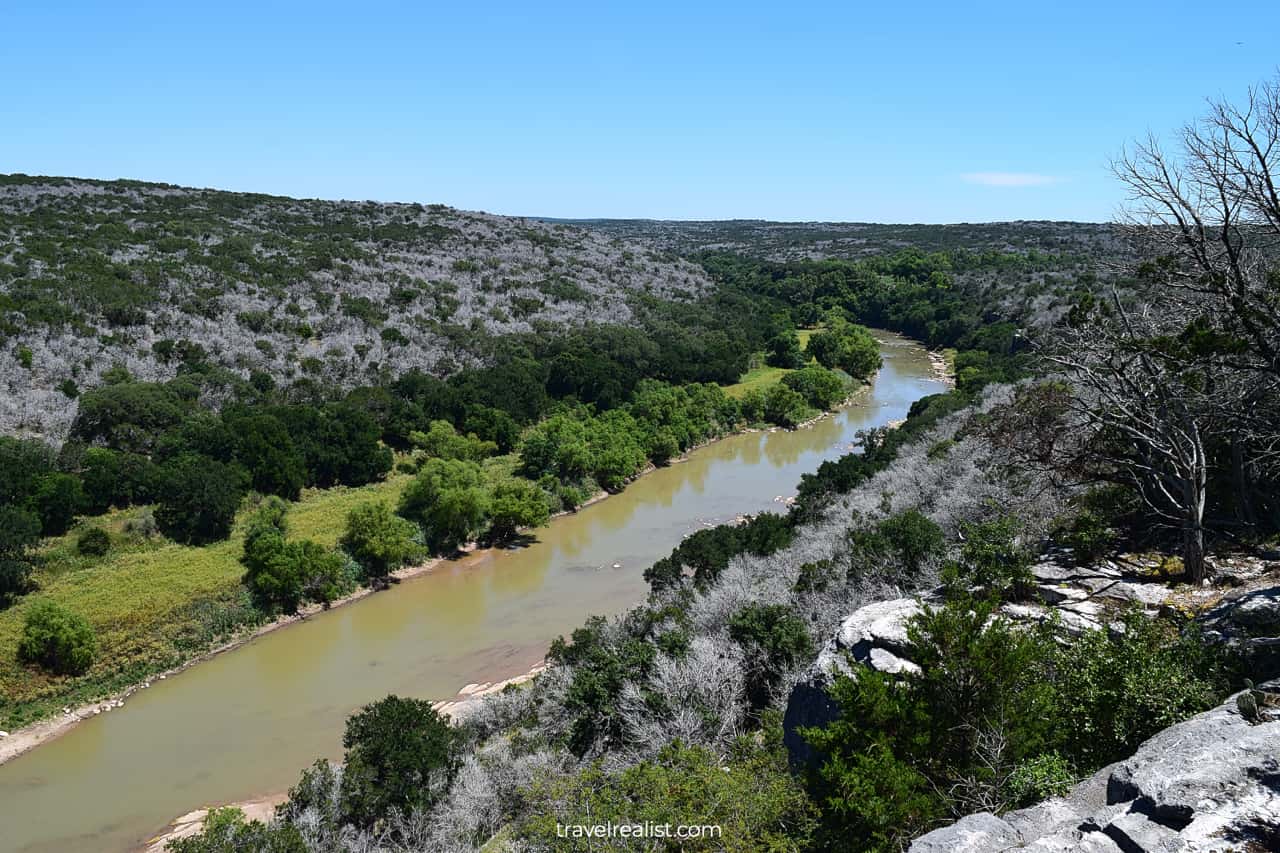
[[1195, 494], [1193, 553]]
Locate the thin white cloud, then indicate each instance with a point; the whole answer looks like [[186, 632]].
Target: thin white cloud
[[1010, 179]]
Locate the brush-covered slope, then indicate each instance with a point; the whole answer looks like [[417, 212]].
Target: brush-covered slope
[[95, 274]]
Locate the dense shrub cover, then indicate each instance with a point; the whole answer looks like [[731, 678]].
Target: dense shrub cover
[[996, 717]]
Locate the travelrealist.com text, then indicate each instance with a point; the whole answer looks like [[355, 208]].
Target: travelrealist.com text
[[647, 829]]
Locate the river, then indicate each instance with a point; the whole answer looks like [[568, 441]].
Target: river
[[246, 722]]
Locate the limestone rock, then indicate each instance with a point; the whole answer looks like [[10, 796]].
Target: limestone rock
[[1210, 783], [875, 636], [973, 833]]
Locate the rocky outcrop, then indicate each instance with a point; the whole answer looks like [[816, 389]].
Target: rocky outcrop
[[1210, 783], [1248, 618], [873, 636]]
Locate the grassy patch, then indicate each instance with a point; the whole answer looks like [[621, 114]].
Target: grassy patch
[[153, 603], [763, 376]]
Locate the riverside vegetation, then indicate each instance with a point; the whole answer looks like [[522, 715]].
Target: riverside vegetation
[[671, 713], [1109, 395], [181, 512]]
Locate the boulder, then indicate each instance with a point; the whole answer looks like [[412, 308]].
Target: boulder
[[1255, 613], [971, 834]]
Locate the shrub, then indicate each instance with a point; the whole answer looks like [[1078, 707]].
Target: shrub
[[815, 576], [1118, 689], [226, 831], [898, 548], [749, 795], [774, 640], [1041, 777], [94, 542], [1091, 531], [994, 559], [602, 663], [57, 639]]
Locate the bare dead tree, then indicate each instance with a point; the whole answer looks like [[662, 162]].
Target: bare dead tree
[[1147, 415], [1206, 217]]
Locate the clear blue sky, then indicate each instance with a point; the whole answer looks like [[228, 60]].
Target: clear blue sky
[[881, 111]]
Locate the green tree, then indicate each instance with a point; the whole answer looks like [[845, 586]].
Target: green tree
[[400, 754], [663, 447], [752, 406], [784, 407], [129, 416], [820, 387], [58, 498], [379, 540], [23, 463], [199, 499], [265, 448], [556, 446], [846, 346], [19, 533], [450, 499], [443, 441], [783, 350], [57, 639], [516, 503], [282, 574]]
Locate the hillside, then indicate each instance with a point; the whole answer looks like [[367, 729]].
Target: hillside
[[95, 274], [796, 241]]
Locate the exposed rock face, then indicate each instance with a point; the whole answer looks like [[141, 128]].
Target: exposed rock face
[[1209, 783], [874, 636], [1249, 618]]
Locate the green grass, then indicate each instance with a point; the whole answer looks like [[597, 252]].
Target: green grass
[[153, 603], [763, 376]]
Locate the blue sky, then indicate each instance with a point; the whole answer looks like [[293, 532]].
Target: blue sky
[[884, 111]]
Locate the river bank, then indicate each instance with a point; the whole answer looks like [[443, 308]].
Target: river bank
[[263, 807], [245, 724], [20, 741]]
